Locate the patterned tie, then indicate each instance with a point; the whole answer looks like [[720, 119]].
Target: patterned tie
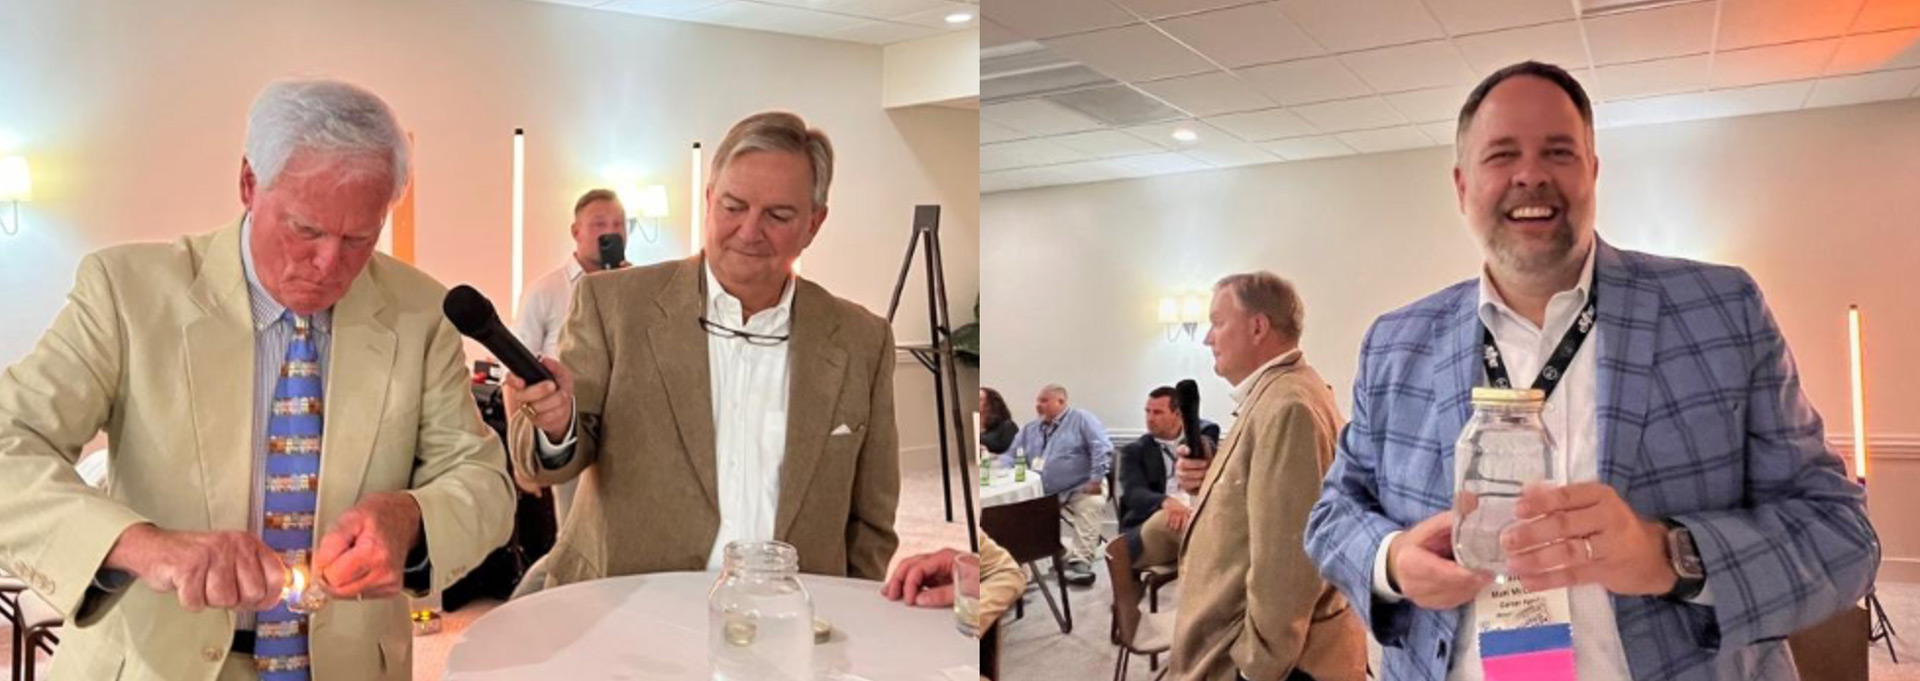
[[293, 474]]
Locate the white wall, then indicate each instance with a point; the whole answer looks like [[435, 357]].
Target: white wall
[[133, 114], [1821, 206]]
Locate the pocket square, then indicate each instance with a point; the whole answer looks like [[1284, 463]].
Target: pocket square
[[842, 430]]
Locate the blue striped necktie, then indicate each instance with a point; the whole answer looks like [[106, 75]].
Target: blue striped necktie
[[293, 475]]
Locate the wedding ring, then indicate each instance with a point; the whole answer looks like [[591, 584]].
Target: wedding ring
[[1589, 542]]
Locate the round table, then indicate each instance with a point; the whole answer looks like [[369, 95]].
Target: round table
[[1003, 490], [655, 627]]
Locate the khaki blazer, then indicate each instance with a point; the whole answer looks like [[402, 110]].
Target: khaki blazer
[[155, 347], [1252, 601], [648, 499]]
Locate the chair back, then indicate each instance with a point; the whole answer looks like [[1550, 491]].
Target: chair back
[[1030, 530], [1127, 591]]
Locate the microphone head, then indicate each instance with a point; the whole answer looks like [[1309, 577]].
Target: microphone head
[[1189, 393], [469, 311]]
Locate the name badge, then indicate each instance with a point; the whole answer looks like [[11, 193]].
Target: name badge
[[1524, 636]]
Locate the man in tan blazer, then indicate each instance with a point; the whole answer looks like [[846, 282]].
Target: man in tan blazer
[[1253, 606], [159, 346], [721, 398]]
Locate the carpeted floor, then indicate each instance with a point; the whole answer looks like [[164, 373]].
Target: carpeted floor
[[921, 523]]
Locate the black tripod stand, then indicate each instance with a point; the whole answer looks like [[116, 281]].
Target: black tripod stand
[[937, 357], [1880, 628]]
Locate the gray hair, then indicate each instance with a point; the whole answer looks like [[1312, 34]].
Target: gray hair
[[1054, 389], [779, 131], [327, 117], [1267, 294]]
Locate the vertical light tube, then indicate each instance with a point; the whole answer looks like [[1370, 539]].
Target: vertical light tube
[[519, 214], [697, 201], [1859, 397]]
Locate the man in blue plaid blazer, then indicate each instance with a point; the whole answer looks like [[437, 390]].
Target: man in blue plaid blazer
[[1699, 518]]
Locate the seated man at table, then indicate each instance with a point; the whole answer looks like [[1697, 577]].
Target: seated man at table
[[721, 398], [1073, 450], [1152, 516]]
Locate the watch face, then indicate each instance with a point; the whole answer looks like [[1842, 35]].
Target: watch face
[[1686, 556]]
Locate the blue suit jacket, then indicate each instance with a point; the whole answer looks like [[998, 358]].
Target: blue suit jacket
[[1701, 420]]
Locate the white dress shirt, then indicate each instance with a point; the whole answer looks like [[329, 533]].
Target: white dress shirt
[[1571, 416], [749, 385], [544, 307]]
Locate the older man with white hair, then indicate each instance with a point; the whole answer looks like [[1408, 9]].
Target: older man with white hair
[[281, 401]]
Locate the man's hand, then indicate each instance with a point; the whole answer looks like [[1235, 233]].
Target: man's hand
[[1420, 562], [925, 580], [362, 554], [1092, 487], [1191, 472], [224, 570], [1177, 514], [1585, 533], [551, 402]]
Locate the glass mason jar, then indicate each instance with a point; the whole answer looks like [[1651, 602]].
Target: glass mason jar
[[759, 616], [1503, 447]]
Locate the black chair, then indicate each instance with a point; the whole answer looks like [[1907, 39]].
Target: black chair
[[1030, 531], [1136, 633], [990, 652], [11, 589], [41, 632]]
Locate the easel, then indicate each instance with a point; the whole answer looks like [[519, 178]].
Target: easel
[[938, 358]]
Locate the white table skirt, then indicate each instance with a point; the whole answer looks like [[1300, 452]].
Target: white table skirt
[[1004, 490]]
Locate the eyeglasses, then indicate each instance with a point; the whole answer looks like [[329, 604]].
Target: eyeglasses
[[757, 339]]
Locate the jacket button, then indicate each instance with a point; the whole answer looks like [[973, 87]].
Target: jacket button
[[1442, 649]]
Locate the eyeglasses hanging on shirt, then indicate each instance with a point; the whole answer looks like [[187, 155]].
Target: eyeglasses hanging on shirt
[[719, 330]]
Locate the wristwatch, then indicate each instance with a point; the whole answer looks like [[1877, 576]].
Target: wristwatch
[[1684, 555]]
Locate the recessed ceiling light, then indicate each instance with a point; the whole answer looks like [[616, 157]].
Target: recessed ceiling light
[[1185, 134], [959, 17]]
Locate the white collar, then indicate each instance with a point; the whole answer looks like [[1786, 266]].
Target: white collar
[[1241, 391], [723, 308], [574, 270], [1491, 303]]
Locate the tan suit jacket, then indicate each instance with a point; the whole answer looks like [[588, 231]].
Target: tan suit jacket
[[155, 346], [1252, 601], [648, 499]]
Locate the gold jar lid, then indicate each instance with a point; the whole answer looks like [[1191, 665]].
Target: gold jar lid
[[1514, 396]]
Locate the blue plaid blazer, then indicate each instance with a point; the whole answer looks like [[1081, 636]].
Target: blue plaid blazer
[[1701, 419]]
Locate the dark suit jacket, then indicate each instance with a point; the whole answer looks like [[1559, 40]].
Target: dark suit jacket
[[1143, 474]]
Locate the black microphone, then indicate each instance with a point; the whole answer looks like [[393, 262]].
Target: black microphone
[[475, 317], [1187, 392], [613, 251]]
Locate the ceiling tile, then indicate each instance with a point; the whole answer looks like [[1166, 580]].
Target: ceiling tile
[[1757, 100], [1410, 67], [1877, 52], [1055, 17], [991, 132], [1087, 171], [1241, 36], [1651, 34], [1443, 133], [1024, 178], [1462, 17], [1351, 114], [1106, 144], [1232, 155], [1257, 126], [772, 18], [937, 18], [1207, 94], [1305, 148], [1305, 81], [1025, 153], [1647, 78], [651, 8], [1558, 44], [1776, 63], [1130, 53], [1884, 14], [1348, 25], [1865, 87], [1437, 104], [1750, 23], [883, 33], [1155, 9], [1389, 139], [1037, 117], [872, 9], [1160, 164], [1116, 105], [1667, 109], [1162, 134]]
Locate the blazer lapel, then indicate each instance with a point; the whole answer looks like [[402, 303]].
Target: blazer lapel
[[1458, 372], [359, 366], [219, 357], [817, 368], [1628, 322], [680, 356], [1232, 447]]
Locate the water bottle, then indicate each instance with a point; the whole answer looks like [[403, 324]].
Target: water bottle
[[759, 616], [986, 470], [1020, 465], [1503, 447]]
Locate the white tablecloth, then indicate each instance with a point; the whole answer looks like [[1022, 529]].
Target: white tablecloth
[[655, 627], [1004, 490]]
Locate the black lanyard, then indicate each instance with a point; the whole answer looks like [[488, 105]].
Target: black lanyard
[[1556, 367]]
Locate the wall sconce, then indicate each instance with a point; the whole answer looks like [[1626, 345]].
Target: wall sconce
[[16, 185], [1182, 316], [651, 204]]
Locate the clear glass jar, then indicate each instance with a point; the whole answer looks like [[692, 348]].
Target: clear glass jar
[[1503, 447], [759, 616]]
